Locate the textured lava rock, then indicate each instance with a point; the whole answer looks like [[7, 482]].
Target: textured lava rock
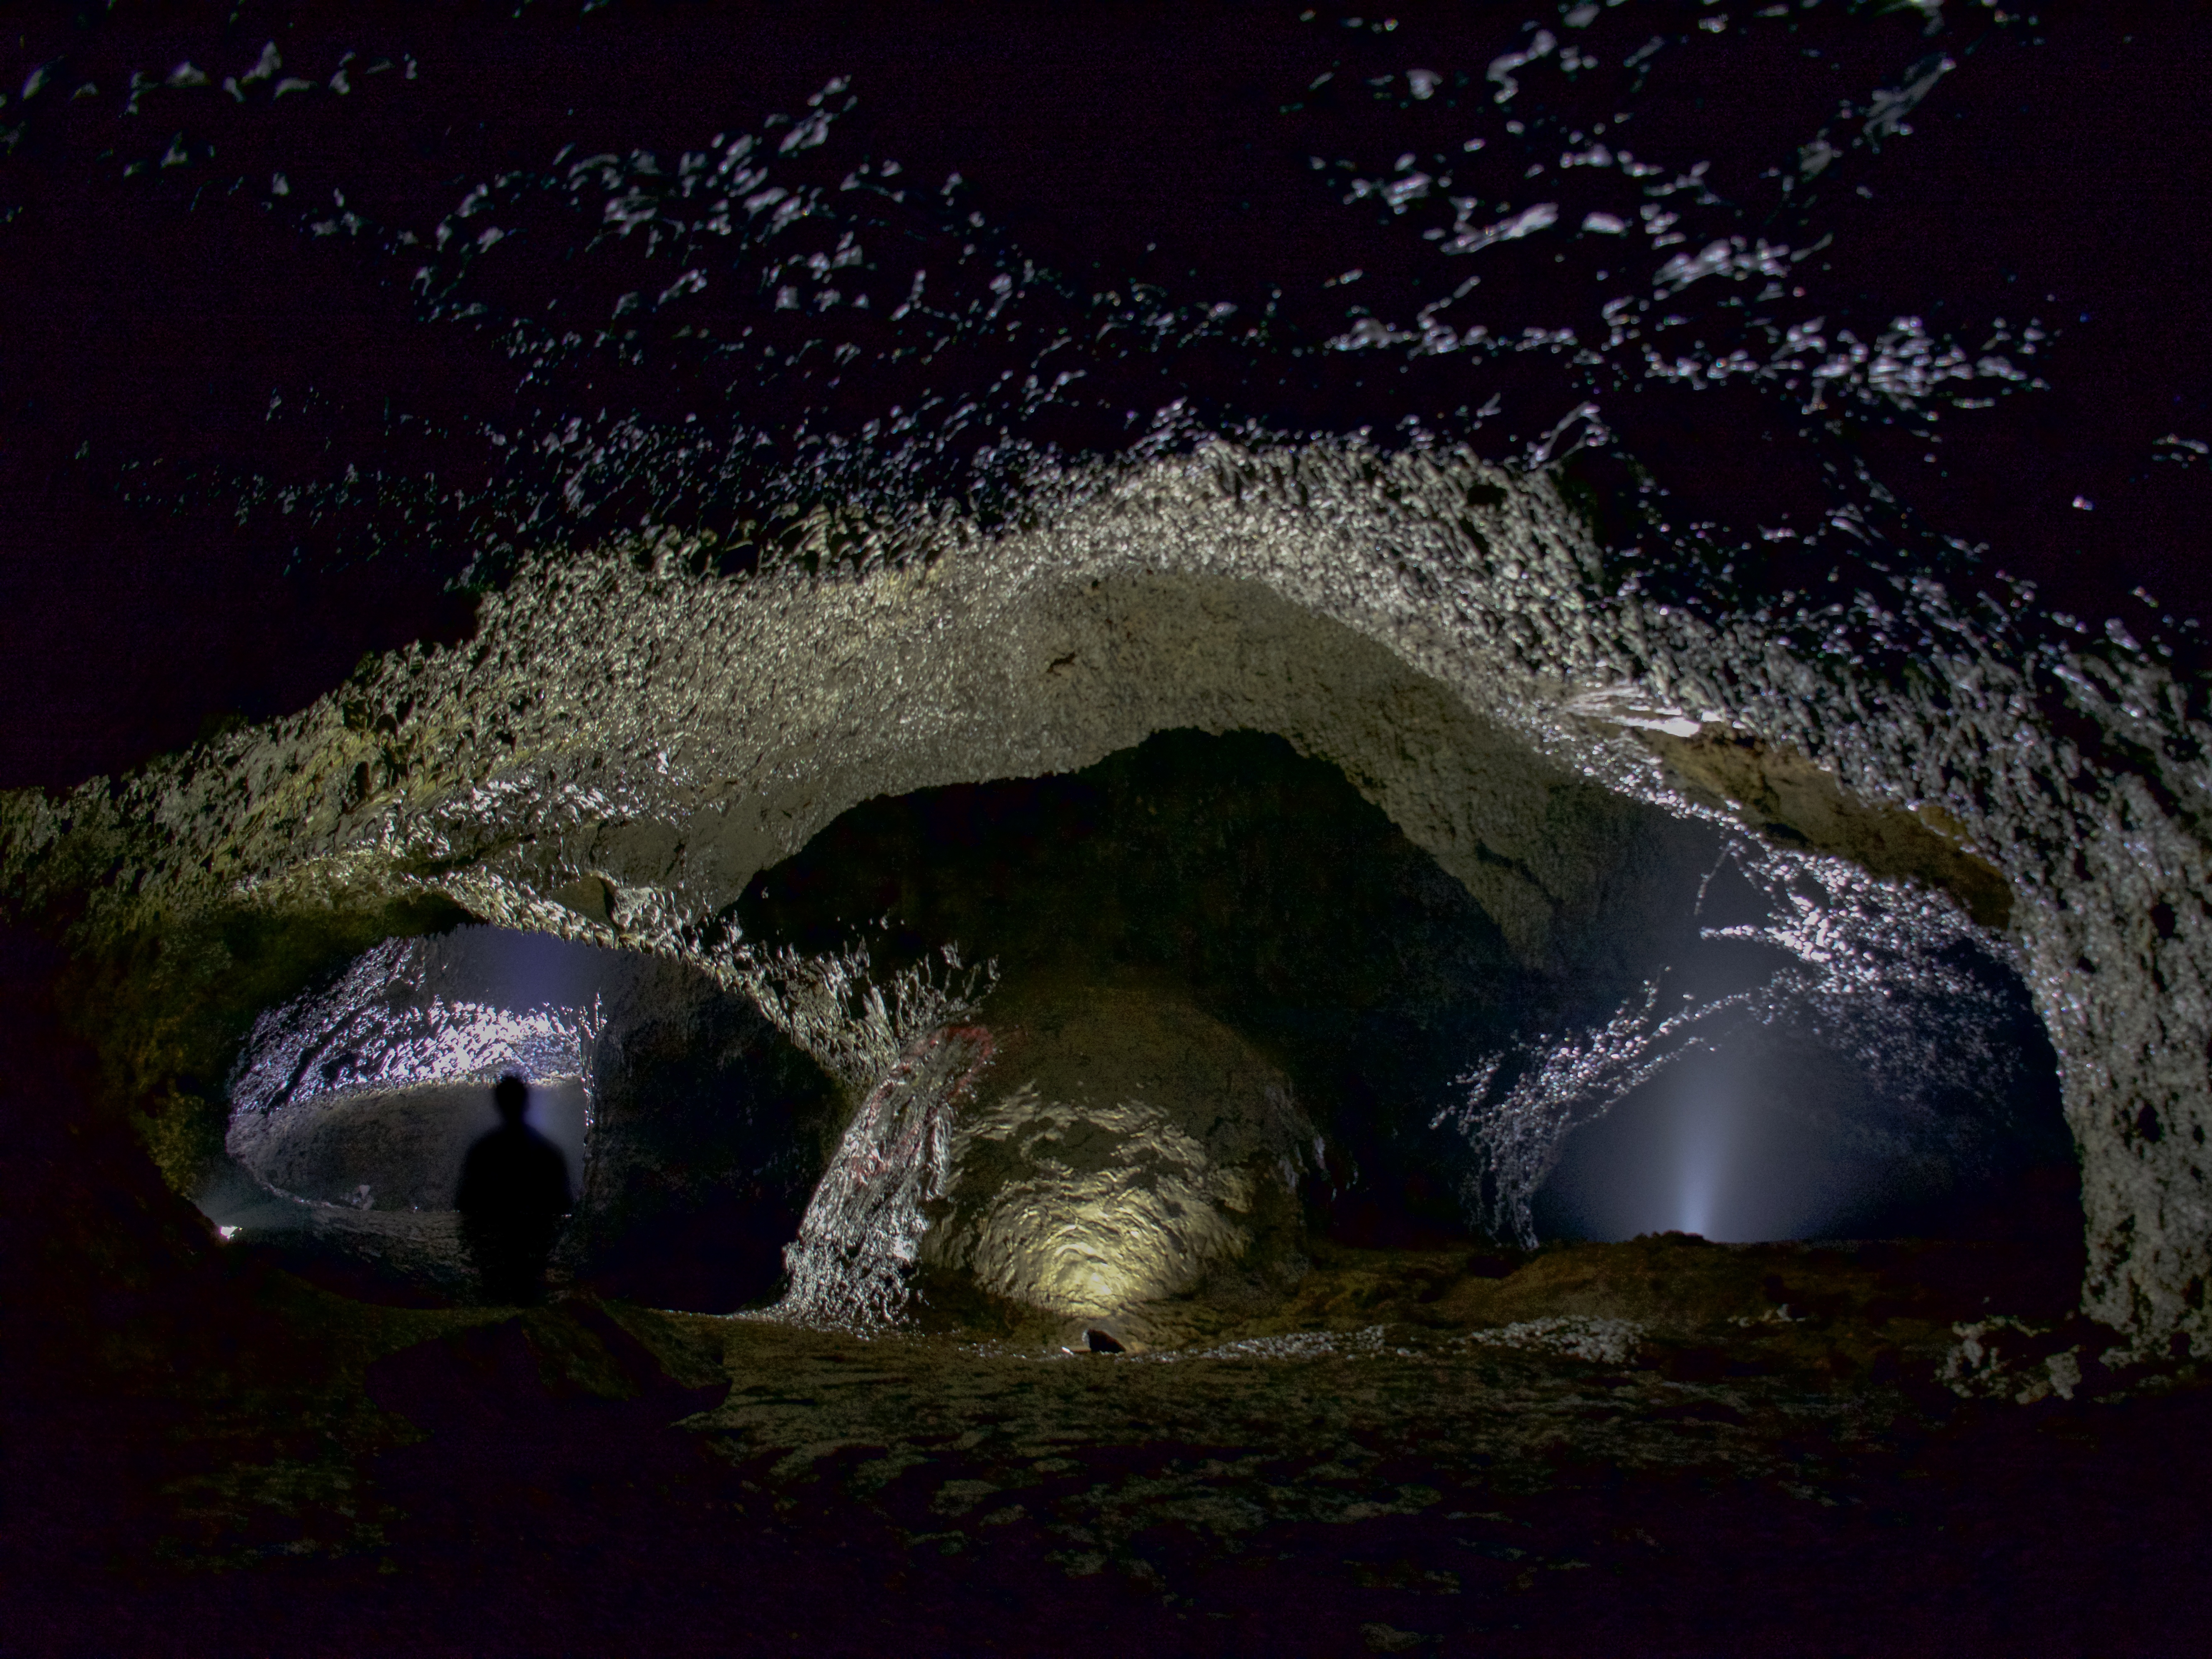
[[1125, 1149], [626, 742], [1788, 800]]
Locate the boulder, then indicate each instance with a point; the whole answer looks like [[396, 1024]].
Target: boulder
[[1126, 1149]]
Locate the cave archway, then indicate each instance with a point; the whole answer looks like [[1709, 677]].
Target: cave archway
[[631, 738], [692, 1132], [1233, 1012]]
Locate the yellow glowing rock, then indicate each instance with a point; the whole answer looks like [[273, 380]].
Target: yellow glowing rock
[[1126, 1148]]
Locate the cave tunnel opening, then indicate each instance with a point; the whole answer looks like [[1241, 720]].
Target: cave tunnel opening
[[1221, 880], [689, 1128], [1261, 885], [1229, 870]]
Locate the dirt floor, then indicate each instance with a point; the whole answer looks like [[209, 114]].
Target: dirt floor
[[1658, 1446]]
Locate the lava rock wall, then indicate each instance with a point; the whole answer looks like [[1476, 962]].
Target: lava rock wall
[[629, 737]]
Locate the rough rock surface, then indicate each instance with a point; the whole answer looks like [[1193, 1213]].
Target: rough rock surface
[[692, 1131], [1789, 800], [1125, 1149], [402, 1150], [626, 741]]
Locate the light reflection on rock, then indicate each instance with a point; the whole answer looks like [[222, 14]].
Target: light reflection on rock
[[1128, 1149]]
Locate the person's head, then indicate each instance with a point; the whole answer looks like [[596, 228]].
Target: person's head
[[512, 1095]]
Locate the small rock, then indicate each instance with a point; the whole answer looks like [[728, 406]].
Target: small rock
[[1388, 1638]]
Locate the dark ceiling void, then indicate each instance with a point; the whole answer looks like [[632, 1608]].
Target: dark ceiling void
[[1204, 156]]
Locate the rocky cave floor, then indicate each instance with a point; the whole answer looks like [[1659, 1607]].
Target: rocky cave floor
[[1666, 1445]]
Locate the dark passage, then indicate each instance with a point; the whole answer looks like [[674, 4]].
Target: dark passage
[[1231, 869], [1262, 884]]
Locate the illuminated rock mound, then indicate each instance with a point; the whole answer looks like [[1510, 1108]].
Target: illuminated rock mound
[[1125, 1149]]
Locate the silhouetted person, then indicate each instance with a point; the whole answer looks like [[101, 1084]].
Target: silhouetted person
[[515, 1190]]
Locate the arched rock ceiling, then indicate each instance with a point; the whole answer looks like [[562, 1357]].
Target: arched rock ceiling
[[626, 742]]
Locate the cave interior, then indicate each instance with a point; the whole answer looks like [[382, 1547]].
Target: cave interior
[[1227, 879], [1229, 935]]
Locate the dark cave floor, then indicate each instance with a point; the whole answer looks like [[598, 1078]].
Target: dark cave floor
[[1663, 1447]]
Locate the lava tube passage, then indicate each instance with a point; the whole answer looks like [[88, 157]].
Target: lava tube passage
[[1222, 1011], [1232, 1010], [687, 1127]]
